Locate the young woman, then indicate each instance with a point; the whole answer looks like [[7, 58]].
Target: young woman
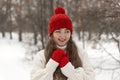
[[61, 60]]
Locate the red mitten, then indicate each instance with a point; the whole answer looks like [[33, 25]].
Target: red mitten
[[64, 61], [57, 55], [67, 54]]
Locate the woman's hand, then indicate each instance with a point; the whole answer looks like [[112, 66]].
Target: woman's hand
[[64, 60], [57, 55]]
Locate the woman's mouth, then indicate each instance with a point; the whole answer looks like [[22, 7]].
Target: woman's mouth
[[61, 40]]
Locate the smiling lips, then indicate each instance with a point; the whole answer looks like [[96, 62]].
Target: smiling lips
[[61, 40]]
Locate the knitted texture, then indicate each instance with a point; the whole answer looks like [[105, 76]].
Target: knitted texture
[[57, 55], [59, 20], [64, 60]]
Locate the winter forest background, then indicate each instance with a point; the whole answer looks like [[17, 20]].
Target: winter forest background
[[23, 32]]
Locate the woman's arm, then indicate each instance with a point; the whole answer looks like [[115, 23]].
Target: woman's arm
[[80, 73], [41, 71]]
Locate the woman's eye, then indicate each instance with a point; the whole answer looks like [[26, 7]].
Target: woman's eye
[[57, 31], [67, 31]]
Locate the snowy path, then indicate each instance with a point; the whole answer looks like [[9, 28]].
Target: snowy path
[[11, 65]]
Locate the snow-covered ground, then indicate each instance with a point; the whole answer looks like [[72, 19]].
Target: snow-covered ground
[[14, 66]]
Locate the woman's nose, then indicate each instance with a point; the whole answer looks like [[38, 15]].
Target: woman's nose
[[62, 35]]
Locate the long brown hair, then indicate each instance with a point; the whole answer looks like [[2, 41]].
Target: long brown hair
[[73, 56]]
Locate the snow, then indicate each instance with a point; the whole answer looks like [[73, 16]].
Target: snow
[[14, 66]]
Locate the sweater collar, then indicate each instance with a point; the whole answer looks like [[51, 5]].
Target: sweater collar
[[61, 47]]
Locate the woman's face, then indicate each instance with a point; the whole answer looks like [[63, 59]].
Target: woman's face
[[61, 36]]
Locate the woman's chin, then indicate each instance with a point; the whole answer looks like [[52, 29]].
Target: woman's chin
[[61, 45]]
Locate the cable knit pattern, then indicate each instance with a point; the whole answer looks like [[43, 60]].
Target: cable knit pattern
[[42, 72]]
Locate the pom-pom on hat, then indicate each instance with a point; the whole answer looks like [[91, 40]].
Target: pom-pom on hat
[[59, 20]]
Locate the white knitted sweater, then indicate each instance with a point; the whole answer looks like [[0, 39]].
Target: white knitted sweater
[[41, 71]]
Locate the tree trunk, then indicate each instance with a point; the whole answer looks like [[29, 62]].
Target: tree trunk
[[89, 35], [3, 33], [51, 8], [20, 35], [35, 38], [11, 35], [83, 39]]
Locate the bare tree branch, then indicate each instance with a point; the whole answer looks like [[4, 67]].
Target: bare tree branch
[[117, 41], [109, 53]]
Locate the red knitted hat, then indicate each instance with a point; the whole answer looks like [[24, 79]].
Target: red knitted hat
[[59, 20]]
